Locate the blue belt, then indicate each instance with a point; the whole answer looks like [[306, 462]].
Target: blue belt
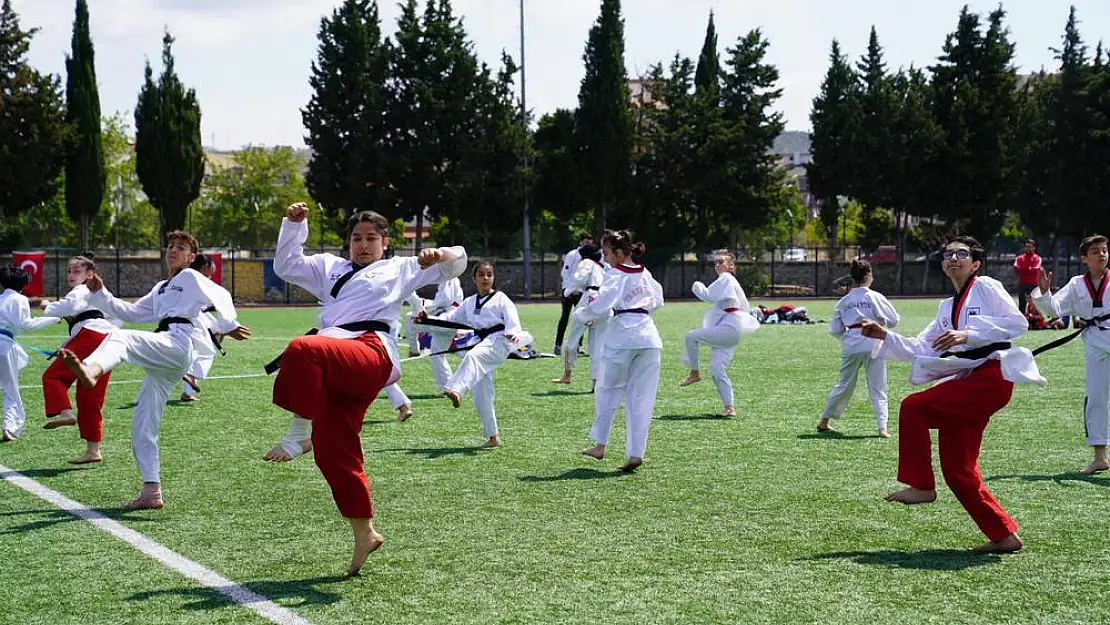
[[6, 333]]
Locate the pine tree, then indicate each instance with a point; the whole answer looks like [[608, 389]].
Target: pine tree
[[169, 158], [872, 183], [748, 95], [707, 76], [836, 119], [346, 120], [603, 121], [1071, 120], [556, 188], [34, 134], [85, 173]]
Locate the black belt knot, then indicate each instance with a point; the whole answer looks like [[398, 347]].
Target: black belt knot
[[630, 311], [978, 352], [85, 316], [164, 324]]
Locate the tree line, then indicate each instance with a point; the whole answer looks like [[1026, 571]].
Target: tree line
[[415, 126]]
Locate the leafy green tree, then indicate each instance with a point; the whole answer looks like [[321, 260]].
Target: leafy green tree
[[85, 174], [837, 120], [169, 158]]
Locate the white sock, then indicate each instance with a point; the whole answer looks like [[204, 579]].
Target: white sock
[[300, 430]]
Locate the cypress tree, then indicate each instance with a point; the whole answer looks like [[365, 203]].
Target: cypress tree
[[85, 173]]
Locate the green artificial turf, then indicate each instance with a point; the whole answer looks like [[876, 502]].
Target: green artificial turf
[[757, 519]]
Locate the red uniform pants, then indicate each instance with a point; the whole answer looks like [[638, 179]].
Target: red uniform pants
[[56, 381], [959, 411], [332, 382]]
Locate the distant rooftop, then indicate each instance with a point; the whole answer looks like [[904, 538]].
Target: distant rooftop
[[791, 142]]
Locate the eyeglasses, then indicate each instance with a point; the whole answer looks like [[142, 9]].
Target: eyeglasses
[[957, 254]]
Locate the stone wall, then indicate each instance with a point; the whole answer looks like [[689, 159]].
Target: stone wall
[[133, 276]]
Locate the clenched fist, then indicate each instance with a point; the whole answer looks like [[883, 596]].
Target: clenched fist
[[297, 212]]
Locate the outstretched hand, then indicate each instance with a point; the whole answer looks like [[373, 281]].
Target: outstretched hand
[[872, 329], [240, 333], [1044, 281], [419, 317], [950, 339], [297, 212]]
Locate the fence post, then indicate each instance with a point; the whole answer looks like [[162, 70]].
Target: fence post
[[57, 274], [117, 270], [816, 270], [232, 254], [773, 272], [543, 276]]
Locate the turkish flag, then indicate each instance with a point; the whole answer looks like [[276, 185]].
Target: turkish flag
[[217, 259], [32, 263]]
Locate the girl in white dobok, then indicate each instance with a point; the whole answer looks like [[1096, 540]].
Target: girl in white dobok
[[587, 279], [721, 328]]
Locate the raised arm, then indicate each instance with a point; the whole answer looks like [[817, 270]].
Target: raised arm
[[290, 263], [27, 323], [66, 307], [142, 311], [1063, 302]]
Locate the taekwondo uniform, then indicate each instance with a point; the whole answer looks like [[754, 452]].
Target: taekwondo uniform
[[570, 297], [1080, 297], [494, 319], [15, 319], [721, 328], [164, 355], [331, 378], [856, 352], [449, 295], [976, 381], [587, 279], [88, 327], [632, 351]]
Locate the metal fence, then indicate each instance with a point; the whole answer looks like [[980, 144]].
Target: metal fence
[[780, 273]]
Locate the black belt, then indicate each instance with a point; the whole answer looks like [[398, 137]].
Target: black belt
[[6, 333], [978, 352], [454, 325], [354, 326], [593, 288], [484, 332], [630, 311], [1067, 339], [164, 324], [85, 316]]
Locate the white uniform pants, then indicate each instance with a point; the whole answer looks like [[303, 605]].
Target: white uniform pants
[[1096, 403], [164, 358], [441, 341], [397, 397], [411, 333], [722, 339], [12, 359], [631, 375], [574, 337], [841, 394], [475, 374]]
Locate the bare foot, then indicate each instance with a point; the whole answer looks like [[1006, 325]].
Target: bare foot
[[884, 434], [563, 380], [597, 452], [693, 378], [631, 465], [1096, 466], [7, 437], [185, 397], [494, 442], [145, 502], [911, 496], [823, 425], [58, 422], [404, 413], [191, 380], [729, 412], [86, 376], [277, 454], [1010, 544], [365, 544], [85, 458], [456, 399]]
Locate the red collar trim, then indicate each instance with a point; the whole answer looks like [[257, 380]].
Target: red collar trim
[[627, 269]]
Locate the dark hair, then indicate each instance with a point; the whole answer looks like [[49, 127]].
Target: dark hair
[[972, 244], [380, 223], [860, 270], [1032, 242], [623, 240], [14, 278], [478, 265], [184, 237], [591, 252], [85, 260], [586, 235], [1090, 241], [200, 262]]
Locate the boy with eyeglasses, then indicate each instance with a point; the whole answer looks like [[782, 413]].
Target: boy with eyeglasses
[[967, 346]]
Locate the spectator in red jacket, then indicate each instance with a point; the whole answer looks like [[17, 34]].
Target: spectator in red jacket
[[1028, 267]]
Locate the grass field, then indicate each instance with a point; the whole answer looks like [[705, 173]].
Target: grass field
[[753, 520]]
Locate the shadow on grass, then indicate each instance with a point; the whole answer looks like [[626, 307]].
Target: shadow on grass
[[301, 592], [695, 417], [378, 421], [54, 518], [925, 560], [561, 393], [1059, 478], [573, 474], [44, 473], [427, 396], [431, 453], [833, 435]]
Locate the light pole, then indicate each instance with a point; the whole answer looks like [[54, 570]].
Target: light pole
[[527, 246]]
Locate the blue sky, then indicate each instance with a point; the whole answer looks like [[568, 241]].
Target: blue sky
[[249, 59]]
